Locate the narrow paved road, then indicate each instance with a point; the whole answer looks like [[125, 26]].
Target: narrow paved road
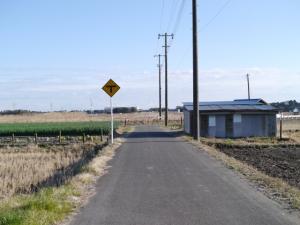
[[158, 179]]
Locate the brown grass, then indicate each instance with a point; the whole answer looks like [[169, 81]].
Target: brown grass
[[24, 169], [253, 141], [80, 116], [51, 205], [293, 135]]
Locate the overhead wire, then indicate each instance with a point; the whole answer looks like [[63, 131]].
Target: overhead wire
[[179, 16], [202, 28], [162, 14], [215, 16], [160, 22], [172, 13], [178, 19]]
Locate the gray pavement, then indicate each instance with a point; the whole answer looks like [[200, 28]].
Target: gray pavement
[[158, 179]]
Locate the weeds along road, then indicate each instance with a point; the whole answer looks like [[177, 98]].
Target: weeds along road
[[158, 179]]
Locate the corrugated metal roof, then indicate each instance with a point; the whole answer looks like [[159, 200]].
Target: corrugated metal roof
[[236, 105]]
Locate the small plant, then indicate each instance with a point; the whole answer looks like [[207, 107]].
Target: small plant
[[48, 206]]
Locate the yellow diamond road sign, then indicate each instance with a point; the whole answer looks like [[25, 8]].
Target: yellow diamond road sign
[[111, 88]]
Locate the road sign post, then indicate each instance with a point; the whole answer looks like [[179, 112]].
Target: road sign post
[[112, 121], [111, 88]]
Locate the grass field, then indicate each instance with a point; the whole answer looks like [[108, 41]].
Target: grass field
[[53, 128], [25, 169], [82, 117], [21, 169]]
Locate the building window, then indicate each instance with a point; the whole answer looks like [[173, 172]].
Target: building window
[[237, 118], [212, 121]]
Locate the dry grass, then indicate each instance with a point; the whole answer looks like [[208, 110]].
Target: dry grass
[[52, 205], [250, 142], [293, 135], [97, 167], [24, 169], [80, 116]]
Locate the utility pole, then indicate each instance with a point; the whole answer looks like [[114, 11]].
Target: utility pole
[[166, 35], [159, 80], [196, 119], [248, 82]]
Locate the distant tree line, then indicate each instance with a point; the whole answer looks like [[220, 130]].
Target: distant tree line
[[16, 112], [125, 109], [287, 106], [178, 108]]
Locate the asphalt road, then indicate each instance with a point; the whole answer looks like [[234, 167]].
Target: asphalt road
[[158, 179]]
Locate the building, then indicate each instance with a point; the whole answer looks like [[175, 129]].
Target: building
[[233, 119]]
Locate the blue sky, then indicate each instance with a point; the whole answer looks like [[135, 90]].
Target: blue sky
[[57, 54]]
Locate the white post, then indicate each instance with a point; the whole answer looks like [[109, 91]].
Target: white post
[[112, 121]]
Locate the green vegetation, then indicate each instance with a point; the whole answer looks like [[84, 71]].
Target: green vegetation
[[48, 206], [52, 129]]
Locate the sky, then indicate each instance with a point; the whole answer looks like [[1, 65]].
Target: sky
[[57, 55]]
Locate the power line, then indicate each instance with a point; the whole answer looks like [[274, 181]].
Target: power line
[[178, 19], [161, 21], [172, 13], [162, 14], [188, 49], [215, 16], [179, 16]]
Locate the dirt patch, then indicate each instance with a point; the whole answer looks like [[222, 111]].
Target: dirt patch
[[293, 135], [275, 161]]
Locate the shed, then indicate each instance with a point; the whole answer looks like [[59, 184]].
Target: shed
[[233, 119]]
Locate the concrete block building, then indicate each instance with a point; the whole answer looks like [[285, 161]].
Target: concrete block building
[[233, 119]]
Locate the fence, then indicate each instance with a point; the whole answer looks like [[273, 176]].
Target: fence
[[14, 140], [289, 124]]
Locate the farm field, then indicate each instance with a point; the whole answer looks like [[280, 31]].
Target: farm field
[[26, 169], [84, 117], [53, 128], [274, 157]]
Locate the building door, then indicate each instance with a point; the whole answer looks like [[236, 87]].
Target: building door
[[229, 126], [272, 126], [204, 125]]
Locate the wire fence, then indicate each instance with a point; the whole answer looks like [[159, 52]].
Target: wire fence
[[19, 141]]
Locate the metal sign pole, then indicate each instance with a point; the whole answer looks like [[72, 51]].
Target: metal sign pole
[[112, 121], [111, 88]]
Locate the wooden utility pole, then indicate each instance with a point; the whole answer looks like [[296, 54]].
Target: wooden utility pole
[[248, 82], [166, 35], [280, 126], [196, 119], [159, 80]]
